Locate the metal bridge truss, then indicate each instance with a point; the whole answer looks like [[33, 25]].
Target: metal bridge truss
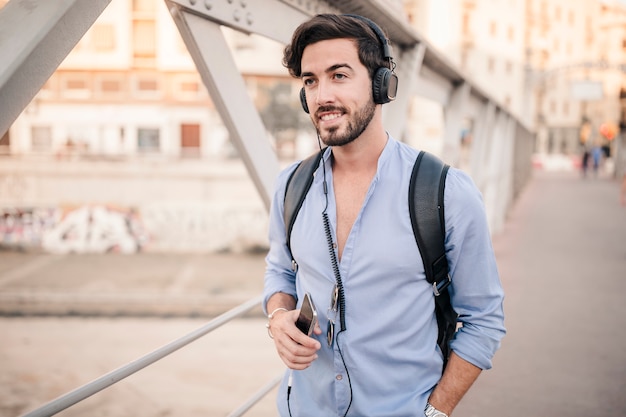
[[36, 35]]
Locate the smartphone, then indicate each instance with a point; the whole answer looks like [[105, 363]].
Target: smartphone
[[308, 316]]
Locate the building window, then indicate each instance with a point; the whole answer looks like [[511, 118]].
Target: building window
[[110, 86], [589, 31], [190, 140], [41, 138], [144, 6], [103, 37], [187, 88], [465, 25], [508, 67], [144, 43], [148, 140], [511, 33], [190, 87], [147, 85], [75, 86], [493, 29]]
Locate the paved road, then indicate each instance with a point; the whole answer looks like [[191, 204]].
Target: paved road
[[562, 257]]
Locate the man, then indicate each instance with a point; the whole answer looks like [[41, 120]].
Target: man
[[381, 358]]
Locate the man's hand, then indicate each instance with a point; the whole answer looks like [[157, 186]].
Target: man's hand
[[296, 349]]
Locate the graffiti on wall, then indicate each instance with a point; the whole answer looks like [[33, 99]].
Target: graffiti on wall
[[24, 227], [159, 227], [96, 229], [85, 229]]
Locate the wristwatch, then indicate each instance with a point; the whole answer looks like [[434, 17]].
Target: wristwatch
[[431, 411]]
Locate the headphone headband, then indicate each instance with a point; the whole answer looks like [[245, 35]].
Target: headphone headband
[[379, 33]]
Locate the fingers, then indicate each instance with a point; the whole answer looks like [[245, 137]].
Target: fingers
[[296, 349], [295, 355]]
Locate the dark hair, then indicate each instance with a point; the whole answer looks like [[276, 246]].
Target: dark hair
[[332, 26]]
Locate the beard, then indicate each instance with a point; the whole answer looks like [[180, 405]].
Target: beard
[[356, 125]]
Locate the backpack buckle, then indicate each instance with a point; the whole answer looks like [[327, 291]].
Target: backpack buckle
[[438, 287]]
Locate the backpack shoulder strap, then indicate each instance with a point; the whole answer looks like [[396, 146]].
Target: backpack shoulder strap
[[426, 192], [426, 208], [298, 186]]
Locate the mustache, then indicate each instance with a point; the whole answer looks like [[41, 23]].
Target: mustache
[[324, 109]]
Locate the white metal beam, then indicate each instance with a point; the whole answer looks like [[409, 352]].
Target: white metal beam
[[35, 37], [216, 66], [432, 86], [454, 113], [248, 16], [483, 136], [494, 168], [505, 173], [395, 113]]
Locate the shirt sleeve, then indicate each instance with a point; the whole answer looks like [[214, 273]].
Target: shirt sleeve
[[279, 276], [476, 292]]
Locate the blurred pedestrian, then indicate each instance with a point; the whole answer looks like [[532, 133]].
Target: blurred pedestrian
[[596, 155], [585, 161]]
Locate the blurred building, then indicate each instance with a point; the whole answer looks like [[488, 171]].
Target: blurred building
[[557, 64], [123, 149], [130, 88]]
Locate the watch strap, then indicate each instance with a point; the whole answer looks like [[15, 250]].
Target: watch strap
[[431, 411]]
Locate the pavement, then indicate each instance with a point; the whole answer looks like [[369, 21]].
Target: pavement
[[118, 285], [66, 320]]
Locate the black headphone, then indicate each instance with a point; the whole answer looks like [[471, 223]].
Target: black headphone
[[385, 81]]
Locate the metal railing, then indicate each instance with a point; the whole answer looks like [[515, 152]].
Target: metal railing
[[69, 399]]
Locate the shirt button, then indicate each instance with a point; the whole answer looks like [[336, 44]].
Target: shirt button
[[339, 377]]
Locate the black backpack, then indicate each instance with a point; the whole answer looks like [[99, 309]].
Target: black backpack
[[425, 199]]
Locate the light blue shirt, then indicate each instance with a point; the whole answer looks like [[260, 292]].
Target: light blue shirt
[[389, 346]]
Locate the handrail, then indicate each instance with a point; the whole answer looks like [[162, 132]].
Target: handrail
[[256, 397], [87, 390]]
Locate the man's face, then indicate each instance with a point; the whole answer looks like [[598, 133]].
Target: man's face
[[338, 90]]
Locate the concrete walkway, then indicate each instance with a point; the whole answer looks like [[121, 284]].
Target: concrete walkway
[[562, 258]]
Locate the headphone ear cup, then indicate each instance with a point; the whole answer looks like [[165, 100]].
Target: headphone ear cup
[[305, 106], [380, 86]]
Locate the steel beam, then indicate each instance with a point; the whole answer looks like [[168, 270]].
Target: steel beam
[[216, 66], [35, 37], [249, 16], [431, 85], [482, 142], [454, 113], [395, 113]]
